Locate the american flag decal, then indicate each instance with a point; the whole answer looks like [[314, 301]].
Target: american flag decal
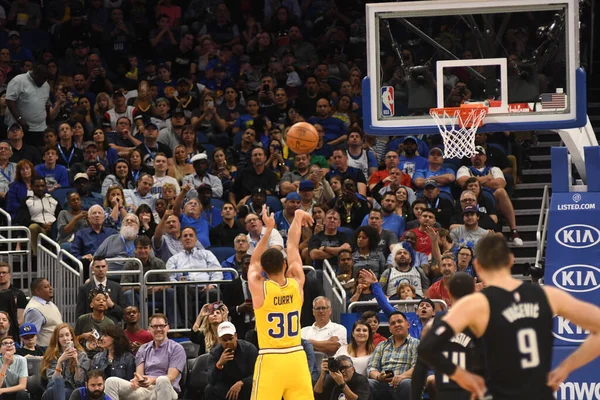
[[553, 100]]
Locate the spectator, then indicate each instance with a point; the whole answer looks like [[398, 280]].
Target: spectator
[[252, 177], [419, 259], [13, 371], [237, 297], [254, 203], [146, 217], [26, 98], [285, 217], [19, 300], [149, 148], [335, 130], [120, 137], [484, 199], [81, 182], [230, 366], [256, 230], [120, 177], [136, 335], [166, 241], [142, 194], [240, 154], [353, 207], [403, 201], [440, 205], [341, 168], [224, 234], [100, 283], [69, 153], [387, 238], [160, 175], [5, 324], [204, 330], [64, 364], [403, 270], [469, 232], [290, 181], [115, 207], [304, 52], [20, 187], [21, 150], [241, 246], [7, 171], [361, 291], [192, 215], [194, 258], [366, 241], [181, 168], [159, 365], [120, 245], [325, 335], [391, 221], [115, 358], [91, 166], [372, 319], [426, 222], [327, 244], [393, 355], [443, 177], [29, 347], [465, 259], [41, 311], [210, 213], [410, 162], [38, 212], [491, 179], [56, 175], [72, 220], [468, 198], [306, 189], [359, 158], [382, 178], [89, 326], [345, 383], [94, 387], [440, 289]]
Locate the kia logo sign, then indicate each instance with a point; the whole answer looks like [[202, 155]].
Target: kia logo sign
[[578, 236], [577, 278], [567, 331]]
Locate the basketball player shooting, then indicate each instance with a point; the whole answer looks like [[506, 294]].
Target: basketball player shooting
[[515, 320], [281, 368]]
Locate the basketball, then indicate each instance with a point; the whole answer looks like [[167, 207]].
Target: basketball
[[302, 138]]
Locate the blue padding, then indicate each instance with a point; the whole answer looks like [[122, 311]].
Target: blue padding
[[592, 165], [222, 253], [218, 203], [559, 163], [274, 203]]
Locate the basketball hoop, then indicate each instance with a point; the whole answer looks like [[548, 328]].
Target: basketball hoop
[[458, 126]]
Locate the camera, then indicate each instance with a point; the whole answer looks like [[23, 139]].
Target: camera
[[419, 73], [462, 90], [333, 365]]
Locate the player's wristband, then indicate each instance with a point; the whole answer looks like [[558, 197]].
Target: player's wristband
[[431, 346]]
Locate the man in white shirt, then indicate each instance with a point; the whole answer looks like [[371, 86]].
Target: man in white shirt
[[194, 258], [160, 175], [256, 230], [142, 194], [200, 163], [326, 336], [41, 311]]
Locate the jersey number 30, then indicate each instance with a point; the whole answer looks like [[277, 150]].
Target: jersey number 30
[[287, 324], [528, 347]]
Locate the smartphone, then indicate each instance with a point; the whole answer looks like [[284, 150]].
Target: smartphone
[[389, 372], [70, 345], [266, 88], [210, 103], [229, 351], [96, 334]]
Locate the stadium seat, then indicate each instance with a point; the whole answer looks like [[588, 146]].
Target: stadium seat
[[201, 138], [195, 387], [237, 138], [60, 194], [183, 380], [222, 253], [218, 203], [191, 349], [347, 231], [35, 386], [274, 203]]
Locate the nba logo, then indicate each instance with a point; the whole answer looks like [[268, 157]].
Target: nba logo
[[387, 101]]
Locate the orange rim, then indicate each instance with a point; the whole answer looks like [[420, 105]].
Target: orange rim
[[465, 111]]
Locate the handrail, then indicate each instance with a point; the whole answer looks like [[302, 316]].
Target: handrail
[[334, 291], [395, 302], [309, 268], [23, 256], [74, 260], [542, 227], [140, 276], [178, 271]]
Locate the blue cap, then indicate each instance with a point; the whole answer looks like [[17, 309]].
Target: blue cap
[[27, 329], [293, 196], [410, 137], [430, 182], [306, 185], [151, 125]]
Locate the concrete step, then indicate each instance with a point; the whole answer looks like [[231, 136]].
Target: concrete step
[[537, 178], [550, 144], [544, 157], [520, 203], [527, 216], [537, 171]]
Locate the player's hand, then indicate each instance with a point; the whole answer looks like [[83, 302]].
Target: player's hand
[[268, 220], [305, 218], [478, 285], [234, 390], [226, 356], [470, 382], [557, 376], [368, 275]]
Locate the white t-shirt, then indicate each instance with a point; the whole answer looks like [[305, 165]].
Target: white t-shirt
[[274, 240], [360, 363], [464, 171], [331, 329]]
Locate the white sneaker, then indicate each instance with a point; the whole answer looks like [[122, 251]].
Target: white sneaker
[[517, 241]]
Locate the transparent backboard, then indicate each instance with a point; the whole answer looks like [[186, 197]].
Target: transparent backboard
[[519, 57]]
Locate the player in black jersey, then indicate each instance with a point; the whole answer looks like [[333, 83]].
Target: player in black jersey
[[515, 320], [463, 349]]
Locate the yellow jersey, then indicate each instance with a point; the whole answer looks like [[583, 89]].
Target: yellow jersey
[[278, 320]]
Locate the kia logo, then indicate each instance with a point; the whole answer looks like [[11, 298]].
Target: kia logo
[[565, 330], [578, 236], [577, 278]]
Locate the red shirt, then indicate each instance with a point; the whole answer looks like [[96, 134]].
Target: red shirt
[[381, 175], [423, 243], [439, 291], [378, 338], [141, 337]]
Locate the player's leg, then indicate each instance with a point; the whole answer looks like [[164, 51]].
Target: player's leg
[[267, 380], [299, 382]]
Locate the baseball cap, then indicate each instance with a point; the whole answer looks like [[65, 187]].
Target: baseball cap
[[199, 157], [183, 80], [436, 149], [480, 150], [89, 143], [118, 93], [293, 196], [15, 127], [27, 329], [204, 186], [430, 182], [469, 209], [306, 185], [259, 190], [151, 125], [226, 328], [14, 33], [414, 139], [81, 175]]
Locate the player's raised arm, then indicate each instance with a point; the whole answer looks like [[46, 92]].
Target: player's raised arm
[[295, 270], [255, 270]]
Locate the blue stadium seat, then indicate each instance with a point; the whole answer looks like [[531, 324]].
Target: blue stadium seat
[[218, 203], [222, 253], [348, 231], [237, 138], [201, 138], [60, 194], [274, 203]]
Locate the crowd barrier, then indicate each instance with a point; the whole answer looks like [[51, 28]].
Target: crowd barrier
[[138, 275], [15, 249], [334, 291]]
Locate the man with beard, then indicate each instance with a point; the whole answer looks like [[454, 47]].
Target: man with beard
[[136, 335], [341, 168], [391, 221], [327, 244], [441, 288], [192, 215], [335, 130], [94, 387], [90, 165], [410, 162], [200, 163], [352, 208], [256, 175], [381, 178], [228, 230], [441, 206], [403, 271], [375, 219], [89, 327], [426, 222], [285, 217], [100, 282], [254, 203], [166, 240], [120, 245], [41, 311], [290, 181], [470, 230]]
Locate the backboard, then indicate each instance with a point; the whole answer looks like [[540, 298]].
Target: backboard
[[520, 57]]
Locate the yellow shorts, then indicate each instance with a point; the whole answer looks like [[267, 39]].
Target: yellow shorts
[[282, 375]]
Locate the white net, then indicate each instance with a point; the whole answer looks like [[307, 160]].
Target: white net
[[458, 127]]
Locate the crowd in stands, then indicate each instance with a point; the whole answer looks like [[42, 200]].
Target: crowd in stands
[[156, 130]]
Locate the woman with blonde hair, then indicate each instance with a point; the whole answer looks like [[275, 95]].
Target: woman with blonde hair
[[64, 364], [103, 104], [115, 207], [181, 167], [204, 331]]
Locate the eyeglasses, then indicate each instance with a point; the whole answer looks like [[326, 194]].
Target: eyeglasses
[[2, 273], [248, 221], [8, 344], [467, 200], [161, 326], [321, 308], [344, 367]]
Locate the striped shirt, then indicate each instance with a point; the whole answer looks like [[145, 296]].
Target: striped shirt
[[388, 357]]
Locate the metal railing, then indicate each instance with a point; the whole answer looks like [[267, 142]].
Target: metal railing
[[70, 279], [334, 291], [137, 273], [19, 260], [542, 228], [181, 295]]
